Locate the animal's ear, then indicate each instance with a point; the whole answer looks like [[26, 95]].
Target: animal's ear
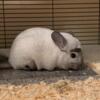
[[72, 33], [59, 40]]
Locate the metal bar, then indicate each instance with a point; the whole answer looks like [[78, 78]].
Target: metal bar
[[53, 22]]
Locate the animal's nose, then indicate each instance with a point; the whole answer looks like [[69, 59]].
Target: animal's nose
[[80, 66], [75, 66]]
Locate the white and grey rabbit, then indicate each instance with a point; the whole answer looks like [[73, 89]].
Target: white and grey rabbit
[[43, 48]]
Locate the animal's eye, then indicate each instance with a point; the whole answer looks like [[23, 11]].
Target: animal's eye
[[73, 55]]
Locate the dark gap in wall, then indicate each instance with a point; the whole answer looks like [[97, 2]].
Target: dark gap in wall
[[53, 25], [99, 23], [3, 7]]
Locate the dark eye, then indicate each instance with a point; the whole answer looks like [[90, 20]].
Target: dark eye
[[73, 55]]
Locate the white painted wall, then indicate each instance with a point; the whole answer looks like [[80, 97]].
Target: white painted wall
[[91, 53]]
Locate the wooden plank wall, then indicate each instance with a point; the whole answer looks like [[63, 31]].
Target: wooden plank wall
[[78, 16]]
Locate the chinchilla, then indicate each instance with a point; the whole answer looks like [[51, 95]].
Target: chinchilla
[[43, 48]]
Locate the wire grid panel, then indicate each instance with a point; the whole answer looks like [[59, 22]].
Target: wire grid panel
[[78, 16]]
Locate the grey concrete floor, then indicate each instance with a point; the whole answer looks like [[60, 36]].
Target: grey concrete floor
[[11, 76]]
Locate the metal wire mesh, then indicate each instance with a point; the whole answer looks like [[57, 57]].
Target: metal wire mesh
[[78, 16]]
